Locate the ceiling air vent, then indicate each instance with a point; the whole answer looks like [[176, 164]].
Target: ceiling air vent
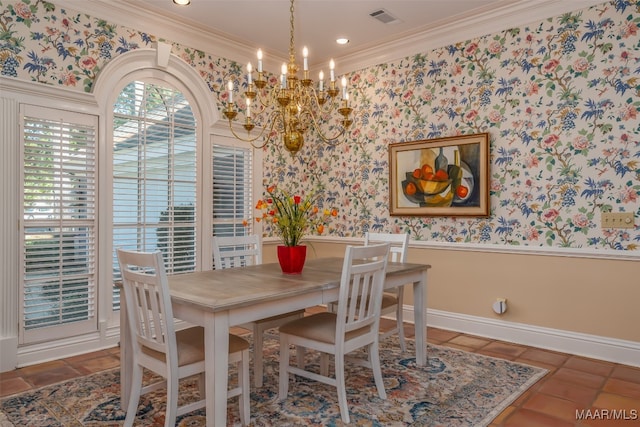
[[384, 16]]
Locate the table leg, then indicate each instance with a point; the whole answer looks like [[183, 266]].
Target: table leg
[[420, 308], [126, 356], [216, 350]]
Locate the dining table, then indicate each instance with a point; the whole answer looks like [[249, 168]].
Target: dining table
[[220, 299]]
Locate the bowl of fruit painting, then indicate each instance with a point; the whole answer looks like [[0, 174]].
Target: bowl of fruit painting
[[440, 177]]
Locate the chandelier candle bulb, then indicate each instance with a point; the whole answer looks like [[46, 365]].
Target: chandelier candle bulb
[[283, 76], [230, 87], [344, 88], [248, 108], [332, 65], [249, 69], [305, 53], [321, 81], [259, 60]]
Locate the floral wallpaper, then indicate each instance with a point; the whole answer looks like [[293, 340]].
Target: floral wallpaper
[[560, 99]]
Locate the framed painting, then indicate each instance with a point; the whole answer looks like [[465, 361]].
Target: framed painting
[[440, 177]]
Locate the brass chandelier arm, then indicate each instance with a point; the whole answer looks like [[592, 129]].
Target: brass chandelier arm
[[272, 118], [331, 140], [267, 97], [319, 99]]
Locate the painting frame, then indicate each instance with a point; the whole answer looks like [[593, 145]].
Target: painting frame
[[439, 188]]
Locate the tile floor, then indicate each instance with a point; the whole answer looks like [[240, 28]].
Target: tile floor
[[572, 382]]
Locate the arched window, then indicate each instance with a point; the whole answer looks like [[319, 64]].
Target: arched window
[[176, 177], [154, 164]]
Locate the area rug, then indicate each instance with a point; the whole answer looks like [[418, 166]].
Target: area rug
[[456, 389]]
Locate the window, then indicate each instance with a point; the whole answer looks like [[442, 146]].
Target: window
[[232, 190], [154, 175], [59, 224]]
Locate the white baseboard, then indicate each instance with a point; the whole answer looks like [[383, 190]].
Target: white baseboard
[[54, 350], [592, 346], [8, 354]]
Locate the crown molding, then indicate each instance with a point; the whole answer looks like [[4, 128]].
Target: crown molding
[[134, 16], [513, 14]]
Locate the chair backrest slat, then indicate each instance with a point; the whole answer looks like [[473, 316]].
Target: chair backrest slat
[[362, 281], [146, 292], [236, 251], [399, 244]]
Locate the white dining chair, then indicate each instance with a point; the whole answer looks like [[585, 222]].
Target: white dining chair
[[354, 325], [157, 346], [393, 299], [239, 251]]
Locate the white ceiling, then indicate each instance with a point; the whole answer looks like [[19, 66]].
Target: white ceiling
[[247, 25], [318, 23]]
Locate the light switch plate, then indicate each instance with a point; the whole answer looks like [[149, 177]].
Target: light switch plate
[[617, 220]]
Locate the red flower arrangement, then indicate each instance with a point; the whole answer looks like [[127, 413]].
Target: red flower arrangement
[[293, 216]]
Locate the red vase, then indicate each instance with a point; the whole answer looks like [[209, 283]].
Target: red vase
[[292, 258]]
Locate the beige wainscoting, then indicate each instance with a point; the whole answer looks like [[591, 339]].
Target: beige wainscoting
[[554, 298]]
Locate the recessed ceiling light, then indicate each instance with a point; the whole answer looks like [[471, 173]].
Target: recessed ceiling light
[[182, 2], [342, 40]]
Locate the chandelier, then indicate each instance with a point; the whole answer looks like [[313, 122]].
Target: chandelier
[[290, 106]]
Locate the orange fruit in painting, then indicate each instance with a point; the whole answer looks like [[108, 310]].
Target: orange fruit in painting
[[441, 175], [410, 189], [417, 173], [462, 191], [426, 169]]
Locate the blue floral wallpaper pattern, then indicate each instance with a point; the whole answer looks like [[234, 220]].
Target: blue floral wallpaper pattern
[[560, 99]]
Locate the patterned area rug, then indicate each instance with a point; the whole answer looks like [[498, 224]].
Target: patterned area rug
[[455, 389]]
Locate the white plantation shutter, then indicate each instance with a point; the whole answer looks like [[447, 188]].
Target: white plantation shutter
[[154, 176], [232, 168], [59, 224]]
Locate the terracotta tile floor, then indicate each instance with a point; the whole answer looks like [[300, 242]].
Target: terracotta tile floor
[[572, 383]]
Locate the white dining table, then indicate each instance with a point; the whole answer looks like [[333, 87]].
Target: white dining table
[[220, 299]]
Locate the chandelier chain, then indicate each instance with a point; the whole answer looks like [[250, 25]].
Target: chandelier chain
[[291, 31]]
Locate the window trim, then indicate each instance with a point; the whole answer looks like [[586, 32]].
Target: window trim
[[142, 65], [13, 94], [27, 336]]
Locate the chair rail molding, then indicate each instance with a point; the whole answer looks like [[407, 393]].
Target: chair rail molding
[[488, 248]]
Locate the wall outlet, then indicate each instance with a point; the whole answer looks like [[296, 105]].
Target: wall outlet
[[617, 220], [500, 306]]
